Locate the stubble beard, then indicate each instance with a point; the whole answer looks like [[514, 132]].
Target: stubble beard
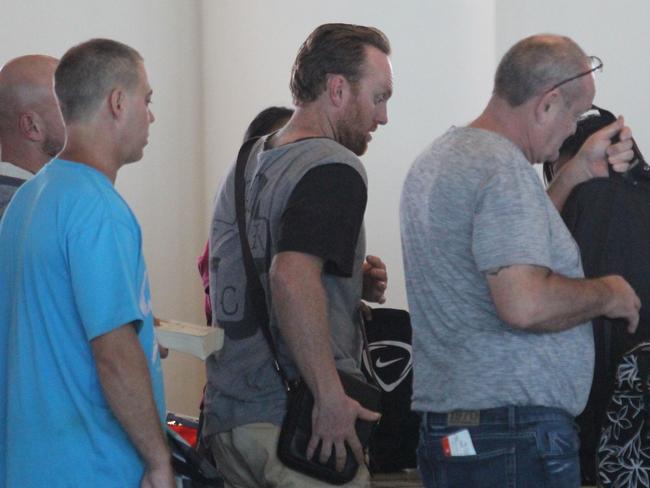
[[51, 146], [349, 134]]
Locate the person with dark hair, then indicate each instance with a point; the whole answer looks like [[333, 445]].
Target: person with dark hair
[[608, 218], [590, 123], [268, 120], [502, 346], [31, 128], [80, 378], [306, 194]]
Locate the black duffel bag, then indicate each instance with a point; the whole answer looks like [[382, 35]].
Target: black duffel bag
[[394, 441]]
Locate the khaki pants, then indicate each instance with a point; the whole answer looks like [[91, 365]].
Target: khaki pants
[[247, 458]]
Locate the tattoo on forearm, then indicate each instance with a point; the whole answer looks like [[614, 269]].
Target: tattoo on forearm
[[496, 271]]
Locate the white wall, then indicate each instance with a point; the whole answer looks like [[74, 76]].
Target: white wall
[[443, 58], [164, 189]]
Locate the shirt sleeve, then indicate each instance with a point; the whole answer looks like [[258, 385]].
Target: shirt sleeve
[[324, 215], [511, 222], [103, 266]]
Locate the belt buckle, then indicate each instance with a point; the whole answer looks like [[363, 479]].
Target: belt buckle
[[464, 418]]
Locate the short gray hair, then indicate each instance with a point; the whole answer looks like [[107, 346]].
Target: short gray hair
[[535, 64], [88, 71]]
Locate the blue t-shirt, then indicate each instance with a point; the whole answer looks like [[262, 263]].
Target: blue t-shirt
[[71, 269]]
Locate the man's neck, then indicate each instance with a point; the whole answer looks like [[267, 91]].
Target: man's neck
[[87, 145], [24, 158], [89, 158], [306, 122], [499, 117]]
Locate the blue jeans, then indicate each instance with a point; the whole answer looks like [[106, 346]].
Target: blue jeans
[[516, 447]]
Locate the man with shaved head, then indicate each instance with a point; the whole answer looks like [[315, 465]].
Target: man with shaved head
[[31, 128], [502, 346]]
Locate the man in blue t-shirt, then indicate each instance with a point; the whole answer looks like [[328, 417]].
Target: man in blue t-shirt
[[80, 378]]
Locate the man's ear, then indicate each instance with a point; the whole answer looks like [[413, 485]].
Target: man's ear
[[30, 125], [548, 105], [116, 101], [336, 87]]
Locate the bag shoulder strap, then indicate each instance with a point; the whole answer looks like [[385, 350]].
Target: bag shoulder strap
[[254, 288]]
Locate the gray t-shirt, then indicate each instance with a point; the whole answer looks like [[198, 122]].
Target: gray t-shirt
[[243, 387], [472, 202]]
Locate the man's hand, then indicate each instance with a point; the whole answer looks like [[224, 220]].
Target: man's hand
[[598, 152], [301, 307], [160, 477], [375, 280], [623, 303], [593, 160], [163, 351], [333, 420], [123, 372]]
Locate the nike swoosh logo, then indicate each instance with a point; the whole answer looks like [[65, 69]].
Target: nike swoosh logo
[[381, 364]]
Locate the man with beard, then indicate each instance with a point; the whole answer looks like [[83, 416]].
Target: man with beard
[[31, 128], [306, 196]]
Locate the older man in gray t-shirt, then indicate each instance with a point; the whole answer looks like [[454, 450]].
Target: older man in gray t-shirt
[[502, 348], [486, 209]]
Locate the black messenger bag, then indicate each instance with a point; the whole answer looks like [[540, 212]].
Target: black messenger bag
[[296, 431]]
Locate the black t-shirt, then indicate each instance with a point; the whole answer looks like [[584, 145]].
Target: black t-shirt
[[324, 216]]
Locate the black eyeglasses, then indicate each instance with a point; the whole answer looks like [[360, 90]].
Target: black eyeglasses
[[596, 67]]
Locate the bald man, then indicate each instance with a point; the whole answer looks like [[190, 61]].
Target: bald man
[[31, 127]]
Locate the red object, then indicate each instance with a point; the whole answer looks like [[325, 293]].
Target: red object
[[446, 449], [185, 431]]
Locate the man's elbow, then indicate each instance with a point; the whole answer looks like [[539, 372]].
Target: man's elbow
[[292, 272], [523, 315], [109, 349], [279, 278]]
